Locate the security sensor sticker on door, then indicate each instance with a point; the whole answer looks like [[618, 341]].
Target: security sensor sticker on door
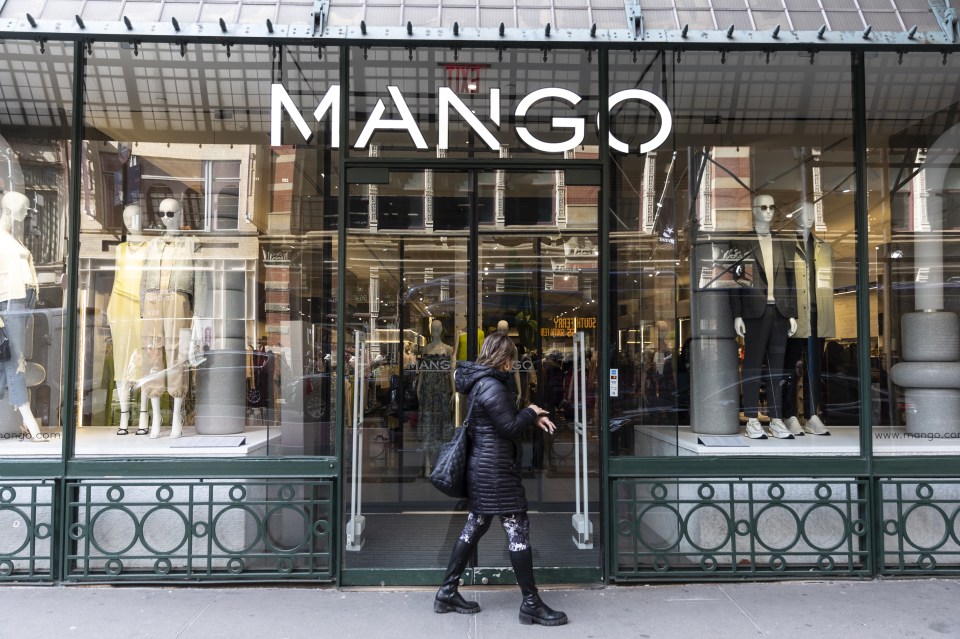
[[614, 382]]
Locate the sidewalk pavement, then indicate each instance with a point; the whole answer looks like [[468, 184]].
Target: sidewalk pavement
[[820, 610]]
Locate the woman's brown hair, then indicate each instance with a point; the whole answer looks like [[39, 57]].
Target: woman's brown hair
[[497, 350]]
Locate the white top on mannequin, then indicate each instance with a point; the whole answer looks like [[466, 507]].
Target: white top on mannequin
[[17, 272], [763, 212], [503, 327]]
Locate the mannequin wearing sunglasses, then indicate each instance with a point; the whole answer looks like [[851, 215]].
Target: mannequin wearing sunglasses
[[166, 302], [813, 266], [765, 311], [123, 315], [18, 297]]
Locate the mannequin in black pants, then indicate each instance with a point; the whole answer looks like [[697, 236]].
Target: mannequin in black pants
[[765, 311], [813, 267], [804, 365]]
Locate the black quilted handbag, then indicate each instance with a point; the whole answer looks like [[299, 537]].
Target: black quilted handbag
[[449, 474]]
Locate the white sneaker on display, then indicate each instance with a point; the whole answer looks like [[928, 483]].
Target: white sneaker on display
[[815, 427], [779, 430], [754, 429], [793, 425]]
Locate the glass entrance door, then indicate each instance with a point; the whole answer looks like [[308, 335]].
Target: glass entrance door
[[437, 261]]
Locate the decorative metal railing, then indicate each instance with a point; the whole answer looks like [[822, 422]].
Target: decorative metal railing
[[739, 527], [193, 529], [26, 530], [920, 529]]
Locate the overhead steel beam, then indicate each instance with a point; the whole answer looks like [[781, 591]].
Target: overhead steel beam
[[307, 34]]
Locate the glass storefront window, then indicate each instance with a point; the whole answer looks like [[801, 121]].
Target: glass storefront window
[[36, 93], [733, 257], [913, 159], [208, 268]]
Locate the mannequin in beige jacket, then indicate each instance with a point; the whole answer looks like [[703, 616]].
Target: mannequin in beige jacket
[[813, 266]]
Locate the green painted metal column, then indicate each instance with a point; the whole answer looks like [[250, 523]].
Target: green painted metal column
[[68, 408], [342, 218], [603, 384], [874, 510]]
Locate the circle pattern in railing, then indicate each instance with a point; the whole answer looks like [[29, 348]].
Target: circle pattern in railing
[[921, 525], [168, 529], [26, 511], [718, 526]]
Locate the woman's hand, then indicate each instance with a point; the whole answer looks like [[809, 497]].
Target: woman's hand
[[544, 423], [543, 419]]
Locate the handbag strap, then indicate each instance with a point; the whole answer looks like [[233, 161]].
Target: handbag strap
[[473, 401]]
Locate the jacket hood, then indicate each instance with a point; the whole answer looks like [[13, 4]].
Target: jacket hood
[[468, 374]]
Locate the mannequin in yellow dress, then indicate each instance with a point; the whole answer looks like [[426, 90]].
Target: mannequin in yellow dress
[[123, 315]]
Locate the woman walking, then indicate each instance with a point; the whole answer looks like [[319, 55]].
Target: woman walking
[[493, 478]]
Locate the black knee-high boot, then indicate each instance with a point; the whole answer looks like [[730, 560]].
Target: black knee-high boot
[[532, 610], [448, 598]]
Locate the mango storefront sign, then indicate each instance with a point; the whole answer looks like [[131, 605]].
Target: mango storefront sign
[[448, 102]]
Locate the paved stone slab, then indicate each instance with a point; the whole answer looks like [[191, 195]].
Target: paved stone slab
[[809, 610]]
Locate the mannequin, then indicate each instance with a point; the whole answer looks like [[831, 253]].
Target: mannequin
[[813, 265], [19, 288], [435, 389], [123, 315], [765, 312], [166, 293]]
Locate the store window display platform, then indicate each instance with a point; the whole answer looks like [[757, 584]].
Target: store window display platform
[[255, 440], [660, 441], [98, 441]]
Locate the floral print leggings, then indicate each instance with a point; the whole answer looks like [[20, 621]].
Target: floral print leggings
[[516, 525]]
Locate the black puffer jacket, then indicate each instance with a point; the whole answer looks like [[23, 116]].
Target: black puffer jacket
[[493, 470]]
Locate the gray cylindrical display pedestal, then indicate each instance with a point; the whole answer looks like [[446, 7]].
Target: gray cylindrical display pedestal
[[714, 389], [932, 410], [221, 393], [233, 308], [713, 317], [714, 382], [931, 337], [930, 372]]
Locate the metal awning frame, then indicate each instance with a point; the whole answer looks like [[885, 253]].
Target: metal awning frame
[[304, 35]]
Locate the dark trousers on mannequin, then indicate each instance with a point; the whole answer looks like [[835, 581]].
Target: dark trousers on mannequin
[[765, 339], [802, 362]]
